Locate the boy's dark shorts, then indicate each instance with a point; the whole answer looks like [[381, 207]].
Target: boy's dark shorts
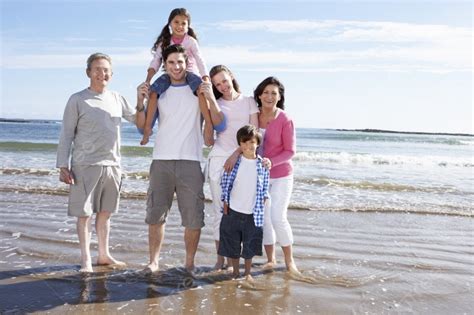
[[239, 237]]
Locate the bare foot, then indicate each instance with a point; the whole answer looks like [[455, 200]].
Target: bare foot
[[190, 268], [230, 269], [151, 268], [269, 265], [295, 274], [110, 261], [219, 266], [291, 267], [86, 268], [144, 140], [219, 263], [249, 279]]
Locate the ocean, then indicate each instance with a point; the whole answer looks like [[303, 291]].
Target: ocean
[[334, 169], [382, 224]]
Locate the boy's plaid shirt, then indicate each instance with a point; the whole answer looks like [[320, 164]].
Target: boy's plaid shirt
[[263, 175]]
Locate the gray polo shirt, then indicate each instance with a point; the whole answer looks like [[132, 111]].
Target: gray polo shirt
[[90, 131]]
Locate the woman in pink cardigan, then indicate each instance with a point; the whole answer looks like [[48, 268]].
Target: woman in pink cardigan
[[279, 146]]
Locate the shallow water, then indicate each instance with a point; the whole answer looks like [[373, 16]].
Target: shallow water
[[362, 263], [334, 170]]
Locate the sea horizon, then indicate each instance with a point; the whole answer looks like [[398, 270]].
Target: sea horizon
[[369, 130]]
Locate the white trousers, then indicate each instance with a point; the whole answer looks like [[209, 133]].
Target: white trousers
[[276, 227], [215, 169]]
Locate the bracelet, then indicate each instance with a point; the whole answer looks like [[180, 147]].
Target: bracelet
[[141, 109]]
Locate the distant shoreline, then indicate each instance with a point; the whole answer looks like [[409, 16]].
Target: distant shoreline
[[25, 121], [408, 132], [49, 121]]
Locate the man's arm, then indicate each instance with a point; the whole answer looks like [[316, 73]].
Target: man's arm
[[68, 132], [142, 93]]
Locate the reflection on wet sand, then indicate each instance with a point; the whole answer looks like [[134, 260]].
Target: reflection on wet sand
[[350, 262], [170, 290]]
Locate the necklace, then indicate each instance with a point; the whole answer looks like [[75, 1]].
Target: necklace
[[266, 118]]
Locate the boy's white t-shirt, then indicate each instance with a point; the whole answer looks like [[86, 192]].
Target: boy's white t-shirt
[[244, 189], [178, 136], [237, 114]]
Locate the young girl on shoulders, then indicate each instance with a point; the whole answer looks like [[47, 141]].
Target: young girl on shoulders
[[178, 30]]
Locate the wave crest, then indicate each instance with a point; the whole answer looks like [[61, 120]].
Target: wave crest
[[366, 185], [368, 159]]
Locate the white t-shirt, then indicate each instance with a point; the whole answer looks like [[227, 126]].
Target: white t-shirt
[[178, 136], [244, 189], [237, 114]]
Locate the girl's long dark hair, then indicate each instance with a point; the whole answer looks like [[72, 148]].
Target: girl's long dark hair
[[165, 36]]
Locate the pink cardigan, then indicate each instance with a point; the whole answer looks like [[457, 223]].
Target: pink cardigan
[[280, 145]]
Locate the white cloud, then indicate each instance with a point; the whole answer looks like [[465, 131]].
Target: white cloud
[[373, 59], [135, 21], [139, 57], [371, 45], [353, 31], [363, 46]]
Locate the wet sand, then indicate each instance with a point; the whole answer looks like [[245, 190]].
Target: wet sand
[[360, 263]]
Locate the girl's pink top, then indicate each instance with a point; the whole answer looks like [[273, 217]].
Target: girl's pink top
[[280, 145], [195, 64]]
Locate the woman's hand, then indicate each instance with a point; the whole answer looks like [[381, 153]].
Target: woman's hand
[[230, 162], [267, 163]]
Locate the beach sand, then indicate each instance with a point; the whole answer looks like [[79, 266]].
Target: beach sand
[[358, 263]]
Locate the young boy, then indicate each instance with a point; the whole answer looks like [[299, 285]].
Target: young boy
[[244, 192]]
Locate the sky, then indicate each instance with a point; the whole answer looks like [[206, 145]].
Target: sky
[[393, 65]]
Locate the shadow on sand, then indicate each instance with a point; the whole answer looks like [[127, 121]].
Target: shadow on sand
[[42, 289]]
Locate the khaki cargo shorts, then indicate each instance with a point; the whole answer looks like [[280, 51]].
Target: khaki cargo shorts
[[96, 188], [186, 179]]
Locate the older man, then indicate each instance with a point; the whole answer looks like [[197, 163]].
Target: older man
[[89, 157]]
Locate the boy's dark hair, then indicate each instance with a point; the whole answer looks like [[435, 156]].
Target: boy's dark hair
[[247, 133], [174, 49]]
